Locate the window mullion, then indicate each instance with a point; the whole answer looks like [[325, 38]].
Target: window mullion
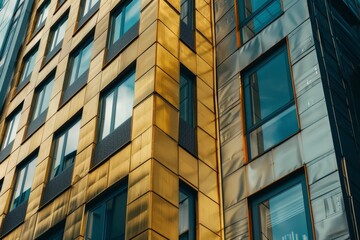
[[113, 116]]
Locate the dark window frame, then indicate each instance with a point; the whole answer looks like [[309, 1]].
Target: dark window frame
[[188, 132], [40, 11], [273, 190], [192, 196], [119, 137], [70, 90], [113, 49], [32, 53], [187, 31], [59, 228], [248, 71], [83, 18]]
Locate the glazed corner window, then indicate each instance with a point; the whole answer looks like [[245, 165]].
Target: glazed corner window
[[269, 103], [187, 122], [56, 37], [22, 187], [28, 66], [283, 212], [41, 16], [187, 213], [117, 105], [255, 15], [107, 219], [87, 8], [42, 98], [124, 26], [65, 148], [10, 131], [187, 23]]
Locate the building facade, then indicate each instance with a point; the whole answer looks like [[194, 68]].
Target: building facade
[[154, 119]]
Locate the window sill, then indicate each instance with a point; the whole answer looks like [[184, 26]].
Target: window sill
[[115, 141], [83, 20], [14, 218], [6, 151], [116, 48], [70, 91], [50, 55]]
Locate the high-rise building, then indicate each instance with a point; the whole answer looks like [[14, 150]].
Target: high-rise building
[[181, 119]]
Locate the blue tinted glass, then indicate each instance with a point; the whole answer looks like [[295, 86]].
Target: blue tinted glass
[[125, 100], [187, 99], [132, 14]]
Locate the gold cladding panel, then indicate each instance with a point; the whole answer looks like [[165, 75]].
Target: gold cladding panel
[[90, 110], [141, 149], [208, 182], [145, 61], [206, 119], [167, 87], [92, 88], [148, 15], [138, 216], [119, 165], [149, 235], [139, 181], [203, 26], [78, 194], [167, 62], [82, 163], [128, 56], [205, 72], [165, 150], [169, 17], [207, 149], [188, 167], [166, 118], [209, 213], [28, 228], [97, 181], [204, 8], [205, 94], [87, 135], [188, 57], [142, 117], [34, 200], [95, 70], [60, 207], [168, 39], [204, 49], [43, 220], [147, 38], [144, 86], [205, 233], [74, 223]]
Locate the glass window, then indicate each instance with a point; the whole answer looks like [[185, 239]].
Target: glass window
[[86, 6], [187, 97], [187, 213], [10, 130], [28, 66], [42, 15], [123, 19], [42, 98], [187, 15], [257, 14], [22, 187], [65, 148], [57, 34], [117, 105], [283, 213], [269, 103], [60, 2], [108, 218], [79, 62]]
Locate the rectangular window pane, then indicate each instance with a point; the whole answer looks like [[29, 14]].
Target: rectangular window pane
[[75, 62], [85, 59], [11, 129], [116, 27], [107, 115], [187, 213], [187, 98], [125, 101], [132, 14], [57, 34], [42, 98], [28, 67]]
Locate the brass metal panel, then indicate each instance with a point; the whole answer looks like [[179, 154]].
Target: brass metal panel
[[78, 194], [235, 187], [145, 61], [15, 234], [141, 148], [165, 183], [93, 87], [167, 62], [166, 118], [34, 200], [209, 213], [29, 227], [13, 159], [82, 163], [142, 117], [208, 183], [96, 67], [45, 149], [149, 234], [138, 216], [203, 25], [205, 71], [167, 87], [164, 212], [3, 167], [119, 165], [87, 135], [204, 49], [206, 119], [165, 150], [204, 8], [53, 107], [148, 15], [205, 233], [169, 17], [205, 94], [9, 179], [139, 181], [188, 57], [129, 55], [144, 86], [90, 110], [110, 72], [207, 149], [60, 207], [62, 116], [147, 38], [102, 25], [168, 39], [4, 200], [97, 181], [188, 167], [74, 224], [43, 221]]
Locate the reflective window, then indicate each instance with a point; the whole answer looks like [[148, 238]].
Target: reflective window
[[60, 2], [283, 213], [22, 187], [28, 66], [257, 14], [10, 130], [42, 15], [42, 98], [86, 6], [123, 19], [117, 105], [269, 103], [65, 147], [108, 218], [57, 35], [187, 213], [187, 97], [187, 15], [79, 62]]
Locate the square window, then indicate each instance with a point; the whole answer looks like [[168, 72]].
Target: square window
[[255, 15], [282, 212], [78, 69], [12, 123], [65, 147], [56, 37], [27, 68], [187, 213], [124, 27], [87, 9], [187, 22], [41, 16], [107, 219], [187, 121], [269, 103], [22, 188]]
